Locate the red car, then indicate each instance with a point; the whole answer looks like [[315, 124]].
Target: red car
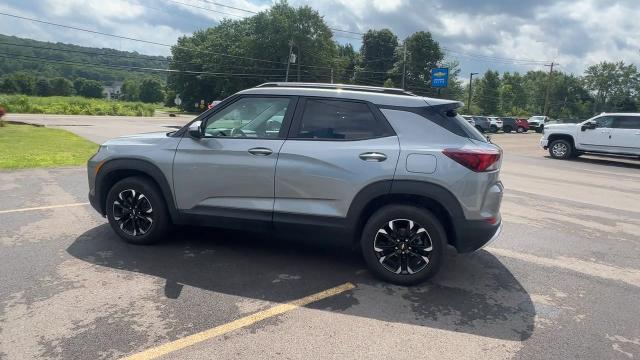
[[510, 124]]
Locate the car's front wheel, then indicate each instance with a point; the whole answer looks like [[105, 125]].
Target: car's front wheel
[[403, 244], [507, 129], [494, 129], [136, 211], [560, 149]]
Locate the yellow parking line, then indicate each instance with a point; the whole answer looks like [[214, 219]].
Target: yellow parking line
[[43, 208], [164, 349]]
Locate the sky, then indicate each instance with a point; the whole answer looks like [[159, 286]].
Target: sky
[[502, 35]]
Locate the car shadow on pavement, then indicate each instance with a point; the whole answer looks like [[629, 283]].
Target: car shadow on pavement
[[473, 293]]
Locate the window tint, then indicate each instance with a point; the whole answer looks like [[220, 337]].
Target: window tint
[[604, 122], [339, 120], [627, 122], [249, 117]]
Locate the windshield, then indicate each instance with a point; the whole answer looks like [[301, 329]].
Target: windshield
[[536, 118]]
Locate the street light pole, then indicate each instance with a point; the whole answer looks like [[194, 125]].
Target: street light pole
[[470, 90]]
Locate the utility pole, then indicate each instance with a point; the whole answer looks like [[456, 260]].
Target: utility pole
[[298, 60], [332, 75], [286, 79], [546, 97], [470, 91], [404, 64]]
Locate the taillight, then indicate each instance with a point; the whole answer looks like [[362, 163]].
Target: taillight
[[475, 159]]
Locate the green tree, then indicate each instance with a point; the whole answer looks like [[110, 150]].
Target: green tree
[[43, 87], [486, 93], [20, 83], [265, 36], [151, 91], [130, 90], [613, 85], [61, 87], [91, 89], [423, 55], [377, 56]]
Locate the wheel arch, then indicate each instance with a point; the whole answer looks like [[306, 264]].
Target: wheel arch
[[553, 137], [435, 198], [115, 170]]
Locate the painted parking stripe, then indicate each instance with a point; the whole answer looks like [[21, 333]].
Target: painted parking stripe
[[43, 208], [182, 343]]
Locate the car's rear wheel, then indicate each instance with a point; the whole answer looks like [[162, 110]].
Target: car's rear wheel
[[137, 211], [560, 149], [403, 244], [507, 129], [521, 130]]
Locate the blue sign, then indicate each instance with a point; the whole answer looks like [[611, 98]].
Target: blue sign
[[440, 77]]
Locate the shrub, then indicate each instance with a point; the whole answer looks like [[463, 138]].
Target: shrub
[[73, 105]]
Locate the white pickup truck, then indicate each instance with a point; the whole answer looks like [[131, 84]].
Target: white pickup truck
[[614, 133]]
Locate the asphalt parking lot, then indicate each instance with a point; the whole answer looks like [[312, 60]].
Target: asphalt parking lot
[[563, 281]]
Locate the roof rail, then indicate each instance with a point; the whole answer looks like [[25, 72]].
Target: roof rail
[[375, 89]]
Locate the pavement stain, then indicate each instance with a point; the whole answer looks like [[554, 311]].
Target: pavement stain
[[97, 298]]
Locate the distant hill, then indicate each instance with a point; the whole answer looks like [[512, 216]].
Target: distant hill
[[50, 60]]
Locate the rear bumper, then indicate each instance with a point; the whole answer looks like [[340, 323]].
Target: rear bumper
[[472, 235]]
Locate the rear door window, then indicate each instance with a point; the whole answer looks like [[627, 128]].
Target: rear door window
[[331, 119], [627, 122]]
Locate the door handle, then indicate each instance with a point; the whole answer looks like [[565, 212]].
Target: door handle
[[260, 151], [373, 156]]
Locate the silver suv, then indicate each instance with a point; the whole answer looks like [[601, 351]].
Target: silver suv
[[401, 176]]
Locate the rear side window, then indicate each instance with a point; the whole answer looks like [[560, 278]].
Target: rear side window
[[339, 120], [627, 122]]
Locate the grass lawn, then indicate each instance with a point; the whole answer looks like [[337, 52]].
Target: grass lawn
[[26, 146]]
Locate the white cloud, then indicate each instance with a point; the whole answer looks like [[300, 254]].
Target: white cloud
[[575, 33]]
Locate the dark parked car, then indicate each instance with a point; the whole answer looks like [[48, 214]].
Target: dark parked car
[[510, 124], [482, 123]]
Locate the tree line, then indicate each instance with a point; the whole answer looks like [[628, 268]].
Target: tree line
[[218, 61], [604, 87]]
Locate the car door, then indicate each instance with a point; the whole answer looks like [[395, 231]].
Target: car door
[[335, 148], [625, 134], [230, 170], [598, 139]]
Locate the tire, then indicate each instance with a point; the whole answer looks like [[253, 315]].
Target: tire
[[539, 130], [493, 129], [480, 129], [561, 149], [507, 129], [395, 220], [140, 199], [521, 130]]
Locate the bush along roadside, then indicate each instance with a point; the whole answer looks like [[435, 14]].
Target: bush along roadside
[[73, 105]]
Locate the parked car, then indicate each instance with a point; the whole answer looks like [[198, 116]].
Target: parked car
[[537, 122], [469, 119], [482, 123], [615, 133], [313, 161], [510, 124], [495, 124]]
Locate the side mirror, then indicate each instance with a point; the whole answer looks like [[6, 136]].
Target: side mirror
[[195, 131], [589, 126]]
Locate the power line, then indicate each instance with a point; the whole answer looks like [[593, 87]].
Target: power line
[[137, 57], [138, 68], [137, 40], [255, 12]]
